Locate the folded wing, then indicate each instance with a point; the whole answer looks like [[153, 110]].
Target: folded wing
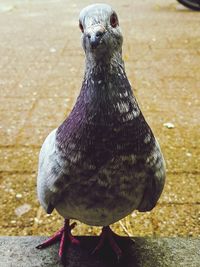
[[51, 176]]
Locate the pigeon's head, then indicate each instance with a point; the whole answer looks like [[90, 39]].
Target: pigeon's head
[[101, 34]]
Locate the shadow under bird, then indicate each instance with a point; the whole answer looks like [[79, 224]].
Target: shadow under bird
[[103, 161]]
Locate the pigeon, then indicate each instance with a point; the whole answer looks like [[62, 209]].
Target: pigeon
[[103, 161]]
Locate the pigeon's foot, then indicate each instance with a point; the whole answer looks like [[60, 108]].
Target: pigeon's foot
[[109, 235], [64, 236]]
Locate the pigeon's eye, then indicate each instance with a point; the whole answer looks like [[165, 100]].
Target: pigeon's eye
[[81, 26], [114, 20]]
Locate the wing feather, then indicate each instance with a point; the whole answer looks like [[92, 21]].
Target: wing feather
[[155, 179], [50, 174]]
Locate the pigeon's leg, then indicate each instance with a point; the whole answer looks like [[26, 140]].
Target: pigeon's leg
[[64, 236], [109, 235]]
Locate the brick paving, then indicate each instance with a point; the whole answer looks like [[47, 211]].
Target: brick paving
[[41, 70]]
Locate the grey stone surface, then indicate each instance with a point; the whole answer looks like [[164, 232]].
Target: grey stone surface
[[138, 252]]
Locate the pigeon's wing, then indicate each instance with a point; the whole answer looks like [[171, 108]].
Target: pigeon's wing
[[50, 174], [155, 165]]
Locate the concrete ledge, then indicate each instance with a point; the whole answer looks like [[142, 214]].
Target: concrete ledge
[[138, 252]]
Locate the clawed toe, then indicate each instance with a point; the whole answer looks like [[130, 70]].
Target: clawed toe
[[65, 237], [109, 235]]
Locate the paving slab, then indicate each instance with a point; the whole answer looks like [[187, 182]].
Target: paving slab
[[137, 252]]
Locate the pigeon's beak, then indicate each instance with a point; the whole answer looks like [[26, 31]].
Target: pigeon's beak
[[95, 34]]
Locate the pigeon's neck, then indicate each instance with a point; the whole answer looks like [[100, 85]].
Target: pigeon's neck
[[103, 64], [105, 76], [107, 94], [105, 102]]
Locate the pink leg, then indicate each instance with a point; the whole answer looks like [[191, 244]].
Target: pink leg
[[52, 240], [64, 236], [108, 234]]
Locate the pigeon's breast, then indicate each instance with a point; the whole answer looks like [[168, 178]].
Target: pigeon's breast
[[104, 145], [112, 193]]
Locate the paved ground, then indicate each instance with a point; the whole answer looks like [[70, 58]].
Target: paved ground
[[41, 69], [137, 252]]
